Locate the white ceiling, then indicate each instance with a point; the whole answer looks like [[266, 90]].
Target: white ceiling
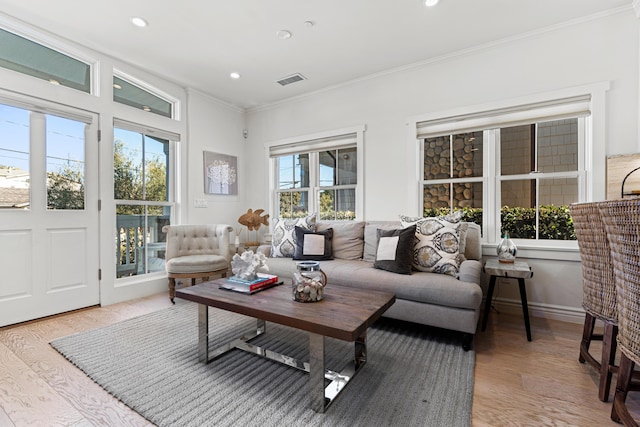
[[197, 43]]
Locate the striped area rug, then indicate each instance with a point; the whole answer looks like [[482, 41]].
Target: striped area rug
[[414, 376]]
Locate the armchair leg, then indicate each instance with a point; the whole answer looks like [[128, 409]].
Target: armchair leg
[[172, 289]]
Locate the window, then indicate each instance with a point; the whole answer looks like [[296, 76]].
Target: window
[[318, 175], [63, 140], [135, 96], [33, 59], [15, 178], [143, 197], [513, 170], [539, 179], [453, 171], [65, 163]]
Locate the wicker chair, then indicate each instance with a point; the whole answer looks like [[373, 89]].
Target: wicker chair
[[622, 221], [599, 292]]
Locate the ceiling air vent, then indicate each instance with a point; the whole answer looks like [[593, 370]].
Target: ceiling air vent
[[291, 79]]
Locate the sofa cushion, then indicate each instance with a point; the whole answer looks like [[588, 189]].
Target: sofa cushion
[[432, 288], [313, 245], [196, 264], [348, 238], [283, 240], [395, 248], [473, 247], [371, 236]]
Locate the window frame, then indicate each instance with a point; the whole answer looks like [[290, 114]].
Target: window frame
[[171, 201], [590, 156], [312, 144]]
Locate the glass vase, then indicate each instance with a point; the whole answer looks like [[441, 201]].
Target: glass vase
[[507, 250]]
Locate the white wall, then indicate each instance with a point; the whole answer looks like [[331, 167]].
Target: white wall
[[586, 52], [217, 127]]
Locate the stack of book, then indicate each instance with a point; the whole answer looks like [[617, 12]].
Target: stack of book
[[264, 281]]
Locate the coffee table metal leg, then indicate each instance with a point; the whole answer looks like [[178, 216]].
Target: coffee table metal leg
[[204, 354], [316, 372], [203, 333], [360, 348]]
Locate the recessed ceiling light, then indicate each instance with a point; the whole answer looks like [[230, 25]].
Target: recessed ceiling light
[[283, 34], [54, 82], [308, 24], [430, 2], [117, 86], [138, 22], [146, 108], [234, 75]]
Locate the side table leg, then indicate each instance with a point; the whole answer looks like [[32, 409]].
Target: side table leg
[[487, 304], [316, 372], [525, 307]]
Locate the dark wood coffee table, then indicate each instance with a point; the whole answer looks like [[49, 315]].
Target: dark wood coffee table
[[345, 314]]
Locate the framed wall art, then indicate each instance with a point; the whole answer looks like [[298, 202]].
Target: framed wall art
[[220, 174]]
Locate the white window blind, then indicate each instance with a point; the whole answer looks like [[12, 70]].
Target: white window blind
[[316, 145], [577, 106], [123, 124]]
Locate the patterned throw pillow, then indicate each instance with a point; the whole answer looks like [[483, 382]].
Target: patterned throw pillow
[[454, 217], [283, 243], [437, 246]]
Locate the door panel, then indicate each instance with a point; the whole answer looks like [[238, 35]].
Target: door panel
[[49, 245]]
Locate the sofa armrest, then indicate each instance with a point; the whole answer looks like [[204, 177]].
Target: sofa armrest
[[470, 271], [264, 249]]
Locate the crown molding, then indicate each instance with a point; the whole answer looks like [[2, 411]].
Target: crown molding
[[215, 100], [452, 55]]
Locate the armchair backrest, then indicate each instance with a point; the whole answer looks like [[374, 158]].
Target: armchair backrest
[[206, 239]]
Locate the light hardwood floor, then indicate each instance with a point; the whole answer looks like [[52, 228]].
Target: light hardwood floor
[[517, 383]]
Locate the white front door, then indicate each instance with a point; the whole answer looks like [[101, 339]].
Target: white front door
[[49, 255]]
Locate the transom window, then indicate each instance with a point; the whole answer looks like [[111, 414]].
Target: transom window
[[33, 59], [127, 93]]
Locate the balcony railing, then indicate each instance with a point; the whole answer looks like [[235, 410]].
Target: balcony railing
[[140, 250]]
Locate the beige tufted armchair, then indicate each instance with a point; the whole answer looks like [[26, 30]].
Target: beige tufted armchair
[[196, 251]]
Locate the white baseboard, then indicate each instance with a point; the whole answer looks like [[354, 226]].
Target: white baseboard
[[545, 311]]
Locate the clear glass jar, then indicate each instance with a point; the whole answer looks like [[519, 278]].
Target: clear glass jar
[[507, 250], [308, 282]]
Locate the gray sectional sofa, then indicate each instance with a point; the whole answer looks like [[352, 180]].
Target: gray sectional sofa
[[432, 299]]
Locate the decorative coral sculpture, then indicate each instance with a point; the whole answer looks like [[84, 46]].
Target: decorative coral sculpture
[[246, 266]]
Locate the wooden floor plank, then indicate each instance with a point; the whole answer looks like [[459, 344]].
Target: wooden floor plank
[[5, 421], [517, 383], [29, 400]]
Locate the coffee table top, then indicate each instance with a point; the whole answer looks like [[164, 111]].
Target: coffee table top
[[344, 313]]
